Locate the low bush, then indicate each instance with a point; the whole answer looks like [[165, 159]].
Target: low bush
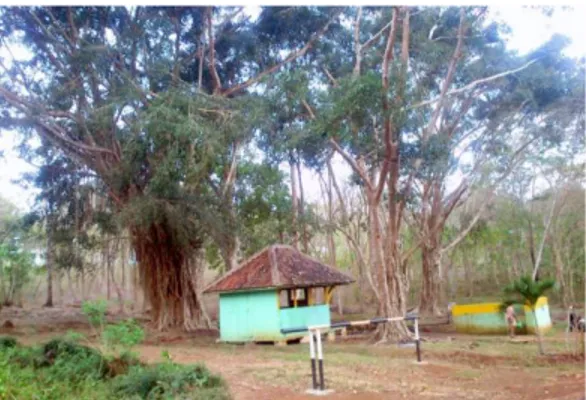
[[61, 369], [170, 381], [7, 342]]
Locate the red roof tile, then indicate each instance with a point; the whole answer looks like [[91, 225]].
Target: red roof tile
[[279, 266]]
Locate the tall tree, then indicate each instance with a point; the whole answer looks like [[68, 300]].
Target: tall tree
[[146, 99]]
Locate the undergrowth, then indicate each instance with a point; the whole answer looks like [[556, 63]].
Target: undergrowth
[[62, 369]]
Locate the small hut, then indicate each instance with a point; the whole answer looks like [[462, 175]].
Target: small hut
[[277, 288]]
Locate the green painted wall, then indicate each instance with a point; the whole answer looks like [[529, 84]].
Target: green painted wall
[[248, 316], [255, 316], [493, 322], [305, 316]]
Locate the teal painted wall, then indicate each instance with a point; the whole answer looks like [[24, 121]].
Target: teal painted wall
[[305, 316], [495, 323], [255, 316], [248, 316]]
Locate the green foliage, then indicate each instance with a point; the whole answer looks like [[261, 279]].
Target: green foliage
[[95, 311], [7, 342], [63, 370], [123, 335], [16, 268], [120, 337], [527, 291], [73, 361], [170, 381]]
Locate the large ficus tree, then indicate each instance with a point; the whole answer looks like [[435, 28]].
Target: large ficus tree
[[148, 99]]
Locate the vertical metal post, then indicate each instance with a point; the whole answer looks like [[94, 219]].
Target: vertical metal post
[[320, 360], [417, 340], [312, 355]]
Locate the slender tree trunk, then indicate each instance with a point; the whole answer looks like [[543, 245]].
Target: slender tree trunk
[[293, 203], [330, 234], [60, 286], [304, 236], [560, 275], [70, 284], [468, 274], [119, 294], [229, 253], [106, 260], [50, 261], [123, 260], [83, 291]]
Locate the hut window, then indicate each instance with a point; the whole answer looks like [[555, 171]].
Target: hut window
[[298, 297], [284, 299], [318, 296], [300, 294]]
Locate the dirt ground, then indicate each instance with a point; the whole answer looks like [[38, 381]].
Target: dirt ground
[[455, 366]]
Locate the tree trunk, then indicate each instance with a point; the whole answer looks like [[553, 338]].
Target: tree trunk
[[294, 204], [83, 291], [167, 276], [304, 237], [50, 261], [116, 287], [430, 281], [389, 282], [468, 274], [106, 259], [70, 284], [123, 259], [559, 274], [229, 253]]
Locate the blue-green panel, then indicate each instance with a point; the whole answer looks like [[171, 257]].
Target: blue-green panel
[[305, 316], [247, 316]]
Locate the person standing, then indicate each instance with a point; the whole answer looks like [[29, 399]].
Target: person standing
[[511, 320]]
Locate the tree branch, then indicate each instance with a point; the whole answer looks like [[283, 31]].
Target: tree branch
[[291, 57], [474, 84], [212, 62], [448, 79], [330, 77], [352, 163], [357, 46], [388, 57], [376, 36]]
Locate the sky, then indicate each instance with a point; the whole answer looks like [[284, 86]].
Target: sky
[[530, 28]]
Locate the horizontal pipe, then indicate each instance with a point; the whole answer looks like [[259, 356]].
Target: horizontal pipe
[[342, 324]]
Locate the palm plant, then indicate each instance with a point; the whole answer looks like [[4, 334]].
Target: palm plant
[[527, 291]]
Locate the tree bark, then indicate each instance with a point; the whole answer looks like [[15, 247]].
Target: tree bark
[[166, 273], [293, 203], [304, 237], [560, 275], [50, 261], [330, 236], [229, 255], [430, 281]]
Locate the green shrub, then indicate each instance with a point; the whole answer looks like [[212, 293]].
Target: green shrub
[[95, 311], [72, 361], [170, 381], [7, 342], [123, 335], [25, 382]]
